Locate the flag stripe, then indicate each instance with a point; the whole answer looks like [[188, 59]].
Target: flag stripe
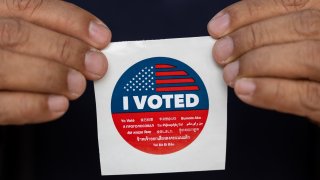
[[174, 81], [177, 88], [171, 73], [164, 66]]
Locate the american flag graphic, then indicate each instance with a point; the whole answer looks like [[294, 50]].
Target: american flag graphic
[[161, 78]]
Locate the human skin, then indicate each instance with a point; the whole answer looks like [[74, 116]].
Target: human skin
[[270, 53], [48, 49]]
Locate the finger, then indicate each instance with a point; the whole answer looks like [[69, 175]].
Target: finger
[[250, 11], [60, 16], [23, 37], [283, 29], [26, 73], [289, 96], [299, 60], [18, 108]]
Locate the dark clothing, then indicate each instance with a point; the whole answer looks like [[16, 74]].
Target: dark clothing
[[261, 144]]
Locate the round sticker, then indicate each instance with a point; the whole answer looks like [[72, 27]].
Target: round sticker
[[159, 105]]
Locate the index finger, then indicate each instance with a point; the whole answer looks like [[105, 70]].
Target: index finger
[[249, 11], [59, 16]]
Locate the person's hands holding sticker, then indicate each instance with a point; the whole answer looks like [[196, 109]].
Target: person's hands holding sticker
[[48, 49], [270, 50]]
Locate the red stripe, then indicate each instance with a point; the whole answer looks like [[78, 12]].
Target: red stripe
[[163, 66], [177, 88], [157, 113], [171, 73], [174, 81]]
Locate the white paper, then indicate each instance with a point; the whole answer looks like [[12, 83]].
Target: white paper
[[206, 152]]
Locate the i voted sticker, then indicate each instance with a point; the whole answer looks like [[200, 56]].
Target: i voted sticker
[[159, 105]]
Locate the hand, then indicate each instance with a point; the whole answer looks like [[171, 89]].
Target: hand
[[270, 51], [48, 48]]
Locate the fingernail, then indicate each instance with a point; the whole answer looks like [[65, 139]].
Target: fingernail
[[219, 24], [230, 73], [58, 104], [76, 83], [99, 32], [96, 63], [245, 87], [219, 14], [223, 49]]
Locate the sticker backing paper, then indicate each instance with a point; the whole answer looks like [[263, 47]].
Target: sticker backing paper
[[161, 108]]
